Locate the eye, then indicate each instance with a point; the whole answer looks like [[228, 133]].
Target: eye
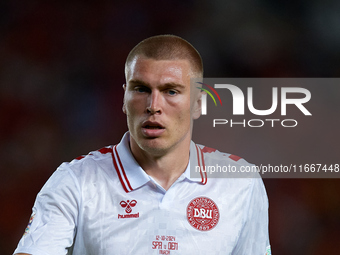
[[141, 89], [172, 92]]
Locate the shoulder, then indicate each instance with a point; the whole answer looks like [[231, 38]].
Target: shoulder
[[88, 170], [229, 166], [94, 155], [213, 155], [86, 167], [216, 154], [223, 164]]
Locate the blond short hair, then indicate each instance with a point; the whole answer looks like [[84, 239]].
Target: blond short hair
[[167, 47]]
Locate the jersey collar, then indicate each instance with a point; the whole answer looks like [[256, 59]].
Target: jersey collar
[[196, 160], [132, 176]]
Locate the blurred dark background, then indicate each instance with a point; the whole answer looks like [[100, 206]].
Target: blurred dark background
[[61, 76]]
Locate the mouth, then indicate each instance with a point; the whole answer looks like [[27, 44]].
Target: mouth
[[152, 129], [152, 125]]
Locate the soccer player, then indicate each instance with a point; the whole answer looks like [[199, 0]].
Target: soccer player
[[138, 197]]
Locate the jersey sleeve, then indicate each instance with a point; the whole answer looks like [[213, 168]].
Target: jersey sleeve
[[254, 237], [52, 226]]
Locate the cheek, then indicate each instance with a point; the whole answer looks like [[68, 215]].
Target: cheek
[[184, 113], [131, 105]]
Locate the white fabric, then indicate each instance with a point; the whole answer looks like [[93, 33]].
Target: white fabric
[[81, 206]]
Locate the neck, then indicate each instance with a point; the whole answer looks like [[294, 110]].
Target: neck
[[165, 168]]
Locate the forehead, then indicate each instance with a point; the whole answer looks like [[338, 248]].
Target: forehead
[[160, 71]]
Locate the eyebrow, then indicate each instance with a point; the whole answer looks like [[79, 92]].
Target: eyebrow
[[168, 84]]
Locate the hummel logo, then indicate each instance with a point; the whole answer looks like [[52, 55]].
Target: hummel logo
[[128, 204], [128, 209]]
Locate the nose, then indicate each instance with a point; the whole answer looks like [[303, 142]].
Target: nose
[[154, 103]]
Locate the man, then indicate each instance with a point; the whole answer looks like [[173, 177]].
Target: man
[[138, 197]]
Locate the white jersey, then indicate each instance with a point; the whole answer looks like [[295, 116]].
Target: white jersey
[[105, 203]]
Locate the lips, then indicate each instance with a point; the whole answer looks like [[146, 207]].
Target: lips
[[152, 129], [152, 125]]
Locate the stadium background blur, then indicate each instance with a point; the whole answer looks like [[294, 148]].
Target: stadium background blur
[[61, 76]]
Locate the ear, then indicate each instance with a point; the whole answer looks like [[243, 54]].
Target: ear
[[124, 107], [197, 107]]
